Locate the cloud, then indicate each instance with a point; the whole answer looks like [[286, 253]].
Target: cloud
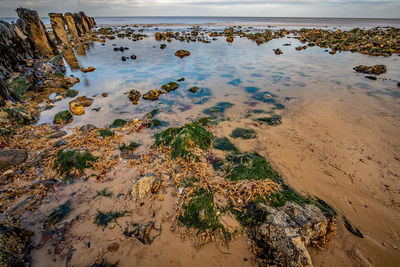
[[264, 8]]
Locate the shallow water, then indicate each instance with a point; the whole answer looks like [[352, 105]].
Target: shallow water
[[248, 75]]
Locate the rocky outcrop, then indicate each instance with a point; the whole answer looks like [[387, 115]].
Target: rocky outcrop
[[34, 28], [58, 25], [85, 21], [79, 24], [73, 31], [288, 230]]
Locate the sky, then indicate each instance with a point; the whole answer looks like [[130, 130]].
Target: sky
[[251, 8]]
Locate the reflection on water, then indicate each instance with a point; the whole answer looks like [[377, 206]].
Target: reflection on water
[[241, 73]]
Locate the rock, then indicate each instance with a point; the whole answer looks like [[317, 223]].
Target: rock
[[142, 186], [63, 117], [123, 58], [76, 108], [104, 94], [12, 157], [289, 229], [371, 78], [113, 247], [181, 79], [152, 95], [21, 115], [89, 69], [34, 28], [375, 69], [163, 46], [260, 40], [229, 39], [15, 245], [182, 53], [171, 86], [133, 57], [145, 232], [60, 143], [87, 128], [58, 134], [398, 84], [278, 51], [193, 89], [134, 96], [58, 25], [73, 31]]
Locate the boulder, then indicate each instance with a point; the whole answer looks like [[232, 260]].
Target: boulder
[[289, 229], [142, 186], [76, 108], [63, 117], [12, 157], [182, 53]]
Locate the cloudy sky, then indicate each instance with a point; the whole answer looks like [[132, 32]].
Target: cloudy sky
[[259, 8]]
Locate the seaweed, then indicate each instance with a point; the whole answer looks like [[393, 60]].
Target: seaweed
[[152, 113], [265, 97], [243, 133], [118, 123], [105, 133], [132, 146], [57, 215], [103, 219], [18, 86], [272, 121], [183, 138], [155, 123], [224, 144], [279, 106], [248, 166], [63, 117], [252, 217], [73, 159], [103, 193], [218, 109], [201, 213]]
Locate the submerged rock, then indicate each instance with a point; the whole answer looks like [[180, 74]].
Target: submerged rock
[[278, 51], [145, 232], [289, 229], [12, 157], [182, 53], [375, 69], [193, 89], [134, 96], [84, 101], [142, 186], [152, 95]]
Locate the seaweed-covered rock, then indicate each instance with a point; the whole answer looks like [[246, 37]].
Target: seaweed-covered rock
[[289, 229], [375, 69], [63, 117], [171, 86], [152, 94], [193, 89], [182, 53], [134, 96], [15, 244], [87, 128], [12, 157], [75, 159]]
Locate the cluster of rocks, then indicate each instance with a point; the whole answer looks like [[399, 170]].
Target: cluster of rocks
[[25, 46]]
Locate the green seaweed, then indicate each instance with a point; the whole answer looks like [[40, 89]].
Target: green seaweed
[[243, 133], [201, 213], [118, 123], [248, 166], [104, 193], [218, 109], [184, 138], [181, 79], [19, 86], [152, 113], [73, 159], [132, 146], [103, 219], [57, 215], [105, 133], [224, 144], [272, 121], [155, 123]]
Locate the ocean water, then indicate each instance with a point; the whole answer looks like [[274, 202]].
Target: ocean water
[[288, 22], [247, 76]]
